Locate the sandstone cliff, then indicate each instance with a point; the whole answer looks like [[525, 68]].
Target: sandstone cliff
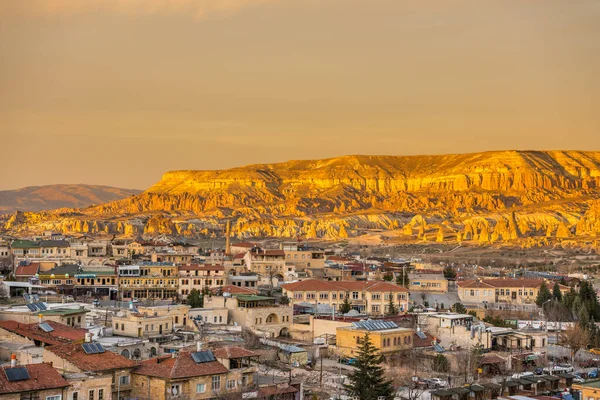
[[483, 197]]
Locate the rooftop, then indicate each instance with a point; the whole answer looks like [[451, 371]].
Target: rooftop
[[75, 354], [41, 377], [180, 366], [234, 352], [312, 285], [59, 335]]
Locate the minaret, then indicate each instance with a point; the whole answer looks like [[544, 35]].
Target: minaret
[[227, 240]]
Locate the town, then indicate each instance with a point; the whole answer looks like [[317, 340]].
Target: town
[[92, 318]]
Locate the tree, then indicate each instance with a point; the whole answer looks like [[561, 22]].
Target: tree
[[367, 381], [440, 363], [449, 273], [345, 307], [556, 293], [195, 299], [388, 277], [391, 309], [402, 279], [543, 295], [459, 308], [284, 300], [575, 339]]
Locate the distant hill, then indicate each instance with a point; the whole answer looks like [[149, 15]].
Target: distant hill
[[38, 198]]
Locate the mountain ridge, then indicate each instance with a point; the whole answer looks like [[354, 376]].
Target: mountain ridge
[[484, 197]]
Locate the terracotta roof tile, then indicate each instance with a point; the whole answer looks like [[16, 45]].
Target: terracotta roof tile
[[106, 361], [181, 366], [41, 376], [27, 270], [233, 352], [61, 333]]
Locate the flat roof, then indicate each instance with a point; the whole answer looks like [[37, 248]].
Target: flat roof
[[245, 297]]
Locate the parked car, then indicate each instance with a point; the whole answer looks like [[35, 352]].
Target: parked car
[[559, 369], [593, 374], [578, 379], [522, 375], [595, 351], [96, 302], [437, 383], [539, 371]]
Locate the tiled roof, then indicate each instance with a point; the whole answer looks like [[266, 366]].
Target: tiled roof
[[41, 376], [27, 270], [272, 391], [418, 342], [239, 255], [61, 333], [311, 285], [180, 366], [106, 361], [504, 283], [231, 289], [233, 352]]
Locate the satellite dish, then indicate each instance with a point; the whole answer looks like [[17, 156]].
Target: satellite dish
[[120, 314]]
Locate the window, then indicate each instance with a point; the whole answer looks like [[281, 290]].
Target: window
[[75, 396], [220, 318], [354, 295], [323, 296], [334, 296], [376, 296], [124, 380], [216, 383], [375, 308], [472, 293], [231, 384], [90, 395], [200, 388], [57, 397], [175, 390], [100, 394]]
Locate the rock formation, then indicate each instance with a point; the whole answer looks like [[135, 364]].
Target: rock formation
[[491, 197]]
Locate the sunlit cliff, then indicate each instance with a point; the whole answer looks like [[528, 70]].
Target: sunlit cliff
[[481, 197]]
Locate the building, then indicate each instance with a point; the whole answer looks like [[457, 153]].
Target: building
[[266, 263], [33, 381], [456, 330], [371, 297], [432, 283], [172, 257], [589, 390], [213, 312], [386, 336], [185, 374], [72, 315], [261, 314], [501, 290], [148, 281], [200, 277], [45, 333], [133, 323], [60, 279], [26, 270], [177, 312], [246, 280], [96, 282], [75, 358], [304, 256], [242, 247]]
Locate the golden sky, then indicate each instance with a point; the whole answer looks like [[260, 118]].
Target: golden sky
[[118, 91]]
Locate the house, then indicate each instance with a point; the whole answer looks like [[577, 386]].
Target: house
[[71, 315], [76, 358], [172, 257], [266, 263], [240, 363], [98, 282], [199, 277], [242, 247], [213, 311], [133, 323], [243, 280], [261, 314], [60, 278], [45, 333], [432, 283], [365, 296], [26, 270], [233, 290], [456, 330], [32, 381], [185, 374], [386, 336], [303, 256], [148, 280], [503, 290], [587, 390]]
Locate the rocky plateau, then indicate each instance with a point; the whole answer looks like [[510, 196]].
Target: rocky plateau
[[529, 198]]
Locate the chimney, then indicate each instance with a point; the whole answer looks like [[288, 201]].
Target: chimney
[[41, 318], [13, 360], [198, 346], [88, 337], [227, 238]]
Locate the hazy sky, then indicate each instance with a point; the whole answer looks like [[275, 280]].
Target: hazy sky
[[118, 91]]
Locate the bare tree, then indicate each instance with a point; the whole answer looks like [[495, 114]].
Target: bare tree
[[575, 338], [407, 387]]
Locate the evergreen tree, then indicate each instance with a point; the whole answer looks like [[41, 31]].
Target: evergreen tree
[[440, 363], [449, 273], [345, 307], [392, 309], [459, 308], [195, 299], [556, 292], [543, 295], [402, 279], [367, 381]]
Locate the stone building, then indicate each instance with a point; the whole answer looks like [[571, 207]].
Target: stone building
[[200, 277], [502, 290], [36, 381], [148, 281], [432, 283], [386, 336], [261, 314]]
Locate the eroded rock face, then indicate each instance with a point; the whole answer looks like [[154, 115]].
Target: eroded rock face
[[483, 197]]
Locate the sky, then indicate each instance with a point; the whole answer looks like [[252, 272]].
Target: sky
[[117, 92]]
